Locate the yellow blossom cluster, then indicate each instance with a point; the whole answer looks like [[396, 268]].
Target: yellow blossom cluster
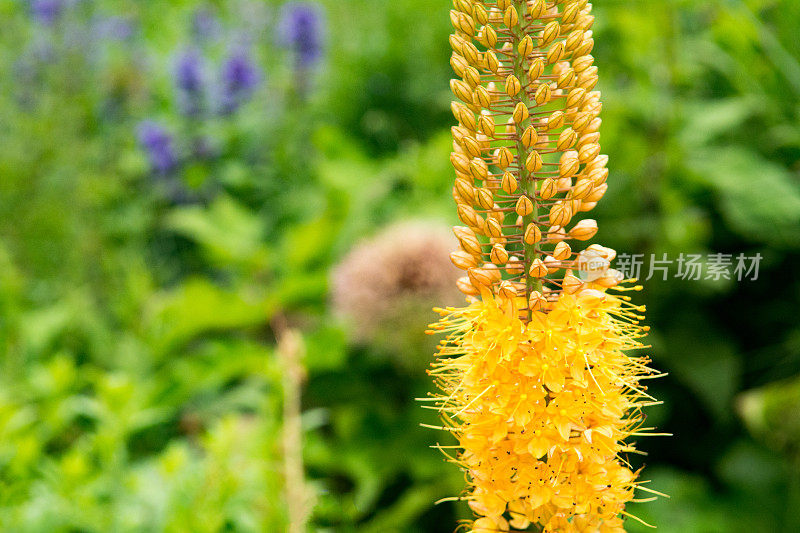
[[542, 409], [534, 378]]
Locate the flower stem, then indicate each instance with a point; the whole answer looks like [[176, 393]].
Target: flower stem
[[526, 179]]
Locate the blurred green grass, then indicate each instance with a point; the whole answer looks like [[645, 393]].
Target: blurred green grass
[[139, 389]]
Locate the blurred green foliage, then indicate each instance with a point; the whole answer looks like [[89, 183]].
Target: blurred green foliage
[[139, 390]]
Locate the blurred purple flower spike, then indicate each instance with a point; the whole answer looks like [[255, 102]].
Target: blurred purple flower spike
[[46, 11], [240, 77], [302, 28], [157, 142], [190, 80], [189, 71]]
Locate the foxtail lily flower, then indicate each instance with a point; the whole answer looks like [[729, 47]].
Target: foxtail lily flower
[[535, 378]]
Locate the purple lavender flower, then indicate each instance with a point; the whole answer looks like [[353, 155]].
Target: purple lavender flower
[[301, 28], [157, 142], [240, 77], [190, 80], [46, 11]]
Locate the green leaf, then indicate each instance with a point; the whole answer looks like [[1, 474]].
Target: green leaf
[[759, 199], [227, 231], [199, 306]]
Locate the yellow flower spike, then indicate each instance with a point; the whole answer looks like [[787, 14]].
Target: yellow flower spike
[[547, 329]]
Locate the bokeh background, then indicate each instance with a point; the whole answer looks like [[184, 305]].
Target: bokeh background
[[180, 180]]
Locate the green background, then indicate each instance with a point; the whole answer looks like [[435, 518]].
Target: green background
[[139, 387]]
